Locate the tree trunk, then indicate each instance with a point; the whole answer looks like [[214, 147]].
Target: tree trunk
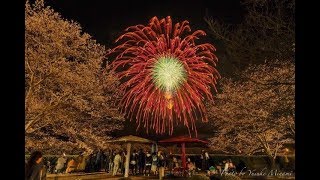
[[272, 162]]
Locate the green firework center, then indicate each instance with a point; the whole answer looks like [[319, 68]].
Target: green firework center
[[168, 73]]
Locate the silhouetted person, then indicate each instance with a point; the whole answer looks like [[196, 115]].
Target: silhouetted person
[[61, 163], [81, 159], [161, 164], [111, 158], [98, 160], [123, 162], [35, 167], [133, 162], [148, 163], [170, 162], [116, 163], [106, 161], [141, 161], [154, 167], [88, 165], [204, 160]]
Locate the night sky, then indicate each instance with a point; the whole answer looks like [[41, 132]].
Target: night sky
[[105, 22]]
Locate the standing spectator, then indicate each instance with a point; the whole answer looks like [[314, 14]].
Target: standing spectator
[[71, 166], [133, 162], [106, 161], [93, 162], [88, 165], [116, 163], [206, 160], [232, 167], [161, 165], [190, 167], [219, 167], [49, 166], [111, 158], [175, 162], [35, 167], [141, 161], [170, 162], [148, 163], [226, 166], [61, 163], [97, 163], [81, 160], [165, 156], [123, 162], [202, 159], [154, 163], [103, 161]]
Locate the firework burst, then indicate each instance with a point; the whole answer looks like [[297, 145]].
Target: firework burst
[[165, 76]]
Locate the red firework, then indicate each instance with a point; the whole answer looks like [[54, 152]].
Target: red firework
[[145, 101]]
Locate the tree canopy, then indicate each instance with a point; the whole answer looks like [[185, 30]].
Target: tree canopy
[[67, 92]]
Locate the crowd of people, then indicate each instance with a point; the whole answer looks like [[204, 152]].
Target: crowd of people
[[142, 162]]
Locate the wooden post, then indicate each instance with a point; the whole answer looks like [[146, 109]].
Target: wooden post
[[126, 172]]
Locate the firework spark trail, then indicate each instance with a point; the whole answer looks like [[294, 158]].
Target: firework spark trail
[[165, 76]]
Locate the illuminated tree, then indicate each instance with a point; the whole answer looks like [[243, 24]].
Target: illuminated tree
[[165, 75], [256, 112], [266, 33], [65, 92]]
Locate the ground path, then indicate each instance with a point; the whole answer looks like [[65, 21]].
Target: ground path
[[104, 175]]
